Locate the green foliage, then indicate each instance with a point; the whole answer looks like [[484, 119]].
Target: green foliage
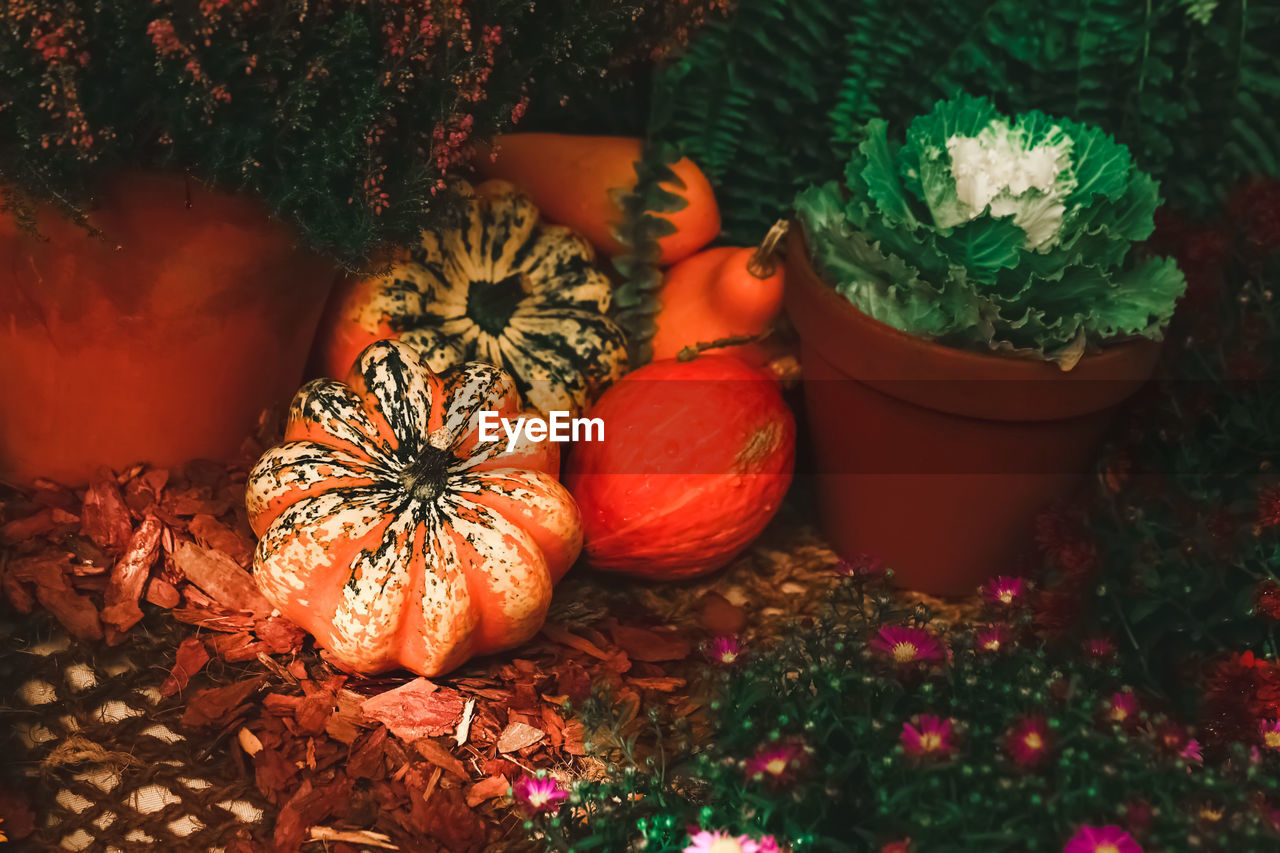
[[983, 231], [348, 118], [1187, 535], [776, 98], [833, 699]]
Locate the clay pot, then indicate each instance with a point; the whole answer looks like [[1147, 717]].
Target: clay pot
[[938, 459], [161, 338]]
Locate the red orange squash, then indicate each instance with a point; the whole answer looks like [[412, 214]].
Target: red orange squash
[[575, 180], [695, 460], [396, 537]]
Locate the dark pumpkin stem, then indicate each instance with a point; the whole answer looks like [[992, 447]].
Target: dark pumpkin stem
[[692, 351], [764, 261], [424, 478]]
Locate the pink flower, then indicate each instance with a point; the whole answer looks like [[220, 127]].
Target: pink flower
[[991, 638], [722, 842], [1191, 752], [539, 794], [1269, 731], [861, 566], [777, 764], [1122, 707], [1028, 741], [724, 650], [1099, 647], [907, 645], [1005, 590], [931, 739], [1101, 839]]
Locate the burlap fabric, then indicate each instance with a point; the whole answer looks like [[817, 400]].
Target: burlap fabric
[[97, 748]]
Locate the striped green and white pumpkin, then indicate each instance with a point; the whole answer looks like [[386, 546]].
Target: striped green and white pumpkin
[[392, 533], [503, 288]]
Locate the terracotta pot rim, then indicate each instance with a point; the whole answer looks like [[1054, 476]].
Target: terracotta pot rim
[[919, 370]]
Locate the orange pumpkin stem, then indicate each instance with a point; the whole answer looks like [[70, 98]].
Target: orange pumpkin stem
[[764, 261]]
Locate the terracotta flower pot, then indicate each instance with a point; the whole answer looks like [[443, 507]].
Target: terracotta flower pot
[[938, 459], [161, 339]]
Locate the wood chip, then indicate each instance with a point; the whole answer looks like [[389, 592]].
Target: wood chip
[[565, 637], [130, 576], [517, 736], [464, 727], [441, 757], [645, 645], [221, 578], [416, 710], [249, 742], [350, 836]]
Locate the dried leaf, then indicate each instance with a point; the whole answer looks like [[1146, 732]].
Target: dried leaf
[[566, 638], [221, 578], [517, 736], [487, 789], [73, 611], [643, 644]]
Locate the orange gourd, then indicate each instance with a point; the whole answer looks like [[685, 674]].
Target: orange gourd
[[575, 181], [725, 292], [392, 533]]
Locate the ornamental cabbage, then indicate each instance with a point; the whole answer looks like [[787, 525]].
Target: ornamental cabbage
[[978, 230]]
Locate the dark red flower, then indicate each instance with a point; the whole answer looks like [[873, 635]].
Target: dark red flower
[[1268, 600], [1268, 511]]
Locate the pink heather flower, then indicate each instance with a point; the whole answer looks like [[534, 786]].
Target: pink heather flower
[[539, 794], [1191, 752], [1269, 730], [722, 842], [724, 650], [992, 638], [1028, 741], [1005, 590], [861, 566], [1122, 707], [1099, 647], [906, 645], [931, 739], [1101, 839], [776, 763]]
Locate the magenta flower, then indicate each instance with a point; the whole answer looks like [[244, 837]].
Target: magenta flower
[[777, 764], [931, 739], [1028, 741], [539, 793], [1191, 752], [1122, 707], [724, 650], [1099, 647], [861, 566], [907, 645], [1101, 839], [1269, 730], [1005, 590], [719, 841], [991, 638]]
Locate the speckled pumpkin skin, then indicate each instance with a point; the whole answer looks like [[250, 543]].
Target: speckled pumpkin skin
[[391, 533], [696, 459], [505, 289]]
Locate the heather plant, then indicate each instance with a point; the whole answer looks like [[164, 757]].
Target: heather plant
[[348, 117]]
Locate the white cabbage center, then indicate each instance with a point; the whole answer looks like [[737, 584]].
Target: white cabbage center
[[997, 170]]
